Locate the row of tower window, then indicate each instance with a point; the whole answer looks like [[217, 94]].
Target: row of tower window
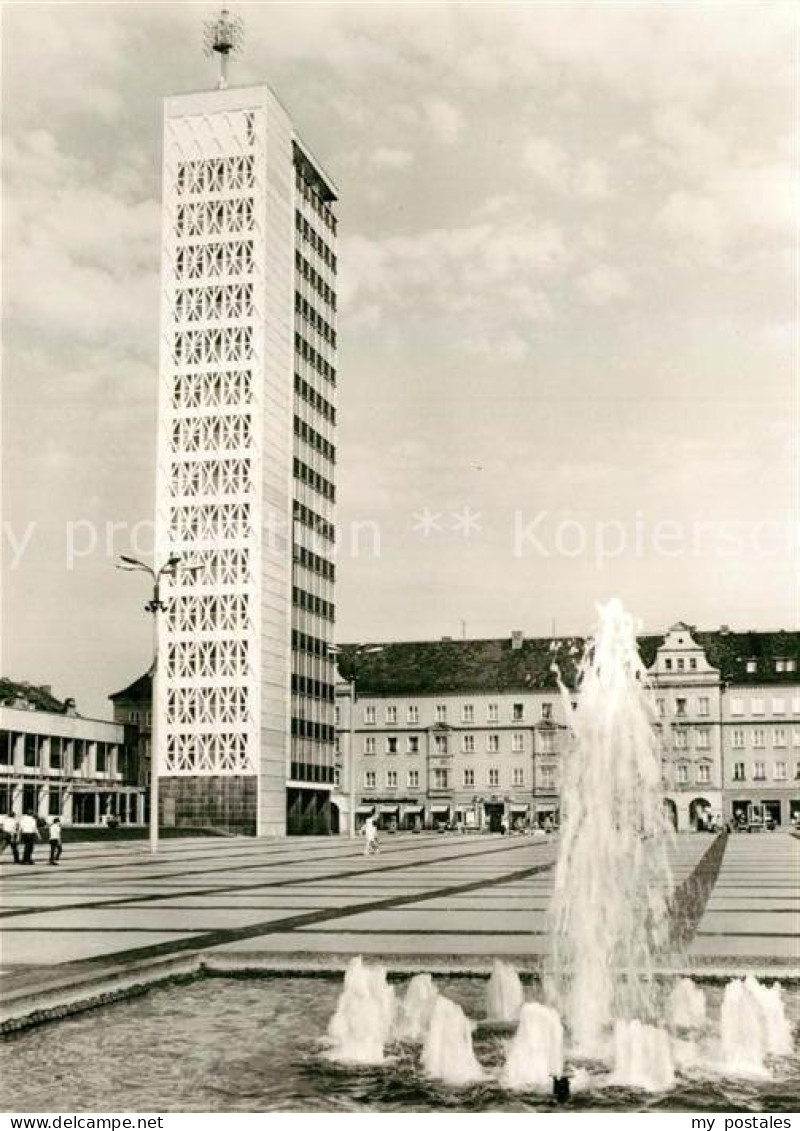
[[305, 728], [223, 346], [207, 753], [214, 260], [442, 778], [210, 522], [306, 232], [312, 197], [218, 567], [213, 389], [211, 433], [309, 560], [311, 604], [320, 484], [214, 217], [219, 302], [207, 659], [307, 272], [314, 521], [304, 308], [311, 437], [303, 642], [311, 772], [216, 175], [212, 477], [305, 350], [312, 688]]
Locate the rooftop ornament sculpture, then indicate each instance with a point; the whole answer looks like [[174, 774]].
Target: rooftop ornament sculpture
[[223, 36]]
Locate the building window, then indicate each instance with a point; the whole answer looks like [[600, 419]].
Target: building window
[[33, 750], [757, 706], [518, 775], [797, 771], [681, 739], [78, 754], [703, 738], [493, 743], [369, 779], [795, 736], [440, 743], [391, 744], [703, 705], [779, 706], [546, 742], [759, 771], [737, 739], [682, 773], [494, 775], [779, 736], [518, 743], [668, 665], [759, 738], [693, 663], [680, 665], [785, 665], [751, 667], [547, 711], [661, 706], [413, 744], [680, 706], [704, 773], [548, 777], [337, 777], [412, 714], [441, 712], [737, 706], [492, 713], [738, 771], [391, 779], [56, 756], [440, 778], [413, 779], [469, 777], [468, 713], [780, 771], [391, 716], [468, 743], [369, 744], [6, 748], [518, 712], [369, 716], [796, 704]]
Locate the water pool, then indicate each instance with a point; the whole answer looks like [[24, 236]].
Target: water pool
[[252, 1045]]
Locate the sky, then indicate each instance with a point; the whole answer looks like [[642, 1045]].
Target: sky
[[568, 365]]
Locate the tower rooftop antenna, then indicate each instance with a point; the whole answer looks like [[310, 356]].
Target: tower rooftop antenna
[[223, 36]]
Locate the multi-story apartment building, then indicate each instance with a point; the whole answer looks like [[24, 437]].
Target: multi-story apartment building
[[472, 731], [133, 707], [55, 763], [246, 467]]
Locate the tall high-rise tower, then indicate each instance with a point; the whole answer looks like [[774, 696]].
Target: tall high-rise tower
[[246, 462]]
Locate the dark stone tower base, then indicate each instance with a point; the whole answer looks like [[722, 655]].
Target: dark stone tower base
[[219, 804]]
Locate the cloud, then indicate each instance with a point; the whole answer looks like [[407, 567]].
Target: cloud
[[553, 168], [385, 158], [445, 120], [603, 284]]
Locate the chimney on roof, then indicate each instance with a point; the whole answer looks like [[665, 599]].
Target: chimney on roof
[[517, 636], [69, 707], [724, 629], [447, 639]]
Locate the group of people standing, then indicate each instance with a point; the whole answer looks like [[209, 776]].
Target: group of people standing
[[21, 833]]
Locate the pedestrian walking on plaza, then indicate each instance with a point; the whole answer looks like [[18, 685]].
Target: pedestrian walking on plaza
[[55, 841], [370, 836], [28, 833], [10, 836]]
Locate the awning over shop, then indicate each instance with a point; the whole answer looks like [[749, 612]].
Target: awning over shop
[[364, 810], [411, 809], [389, 808], [518, 807], [547, 808], [440, 808]]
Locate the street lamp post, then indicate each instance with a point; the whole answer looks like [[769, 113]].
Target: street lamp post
[[353, 655], [154, 606]]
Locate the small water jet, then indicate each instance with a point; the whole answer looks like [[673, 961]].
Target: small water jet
[[505, 996], [536, 1052], [686, 1005], [753, 1026], [362, 1023], [447, 1052], [642, 1057], [609, 910], [416, 1009]]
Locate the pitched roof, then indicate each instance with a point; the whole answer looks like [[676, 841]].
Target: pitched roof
[[140, 689], [41, 697], [454, 666]]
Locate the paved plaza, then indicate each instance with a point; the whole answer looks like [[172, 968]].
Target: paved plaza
[[435, 900]]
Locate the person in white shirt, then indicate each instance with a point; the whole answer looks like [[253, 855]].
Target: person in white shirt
[[10, 836], [28, 834], [55, 840], [370, 836]]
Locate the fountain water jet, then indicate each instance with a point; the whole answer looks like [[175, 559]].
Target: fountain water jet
[[609, 912], [686, 1006], [753, 1026], [536, 1052], [505, 996], [642, 1057], [362, 1023], [416, 1008], [447, 1053]]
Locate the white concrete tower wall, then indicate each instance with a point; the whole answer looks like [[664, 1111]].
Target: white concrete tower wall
[[224, 482]]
